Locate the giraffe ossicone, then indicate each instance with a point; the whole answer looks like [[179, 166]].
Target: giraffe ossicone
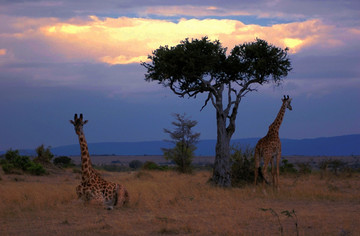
[[93, 187], [269, 147]]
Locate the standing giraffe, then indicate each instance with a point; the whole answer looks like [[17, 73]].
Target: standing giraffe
[[270, 146], [93, 186]]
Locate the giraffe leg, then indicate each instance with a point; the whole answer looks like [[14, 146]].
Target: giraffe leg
[[79, 191], [110, 196], [257, 164], [123, 196], [267, 158], [273, 171], [98, 199], [278, 157]]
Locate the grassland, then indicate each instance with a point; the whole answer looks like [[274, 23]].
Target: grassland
[[170, 203]]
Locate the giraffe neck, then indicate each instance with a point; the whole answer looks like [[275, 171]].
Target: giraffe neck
[[275, 126], [85, 158]]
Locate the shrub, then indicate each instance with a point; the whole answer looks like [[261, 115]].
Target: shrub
[[287, 167], [63, 161], [11, 155], [14, 163], [150, 165], [22, 162], [304, 168], [135, 164], [44, 155], [8, 168], [336, 165], [36, 169], [242, 170]]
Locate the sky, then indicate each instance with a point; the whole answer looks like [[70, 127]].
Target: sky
[[63, 57]]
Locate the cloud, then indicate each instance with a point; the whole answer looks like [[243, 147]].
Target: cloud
[[127, 40], [192, 10], [98, 42]]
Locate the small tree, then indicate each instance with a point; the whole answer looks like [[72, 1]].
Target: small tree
[[44, 155], [184, 140]]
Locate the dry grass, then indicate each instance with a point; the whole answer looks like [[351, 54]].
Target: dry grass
[[170, 203]]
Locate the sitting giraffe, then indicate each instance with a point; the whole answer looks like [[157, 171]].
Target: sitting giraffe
[[93, 187], [270, 146]]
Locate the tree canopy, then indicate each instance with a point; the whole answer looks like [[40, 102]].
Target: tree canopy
[[200, 65]]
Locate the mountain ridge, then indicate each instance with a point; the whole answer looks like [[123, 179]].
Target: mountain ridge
[[345, 145]]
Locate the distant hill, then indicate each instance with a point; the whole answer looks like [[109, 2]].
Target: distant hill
[[332, 146], [346, 145]]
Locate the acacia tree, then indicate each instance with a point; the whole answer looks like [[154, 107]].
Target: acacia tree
[[203, 66]]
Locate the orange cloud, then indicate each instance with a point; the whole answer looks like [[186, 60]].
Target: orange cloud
[[2, 51], [127, 40]]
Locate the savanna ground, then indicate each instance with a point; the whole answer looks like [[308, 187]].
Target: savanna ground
[[165, 202]]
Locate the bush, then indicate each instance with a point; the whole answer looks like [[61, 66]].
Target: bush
[[335, 166], [36, 169], [304, 168], [11, 155], [135, 164], [63, 161], [44, 155], [22, 162], [14, 163], [242, 170], [287, 167], [150, 165], [8, 168]]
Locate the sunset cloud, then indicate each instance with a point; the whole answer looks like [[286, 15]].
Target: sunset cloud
[[126, 40], [129, 40], [2, 51]]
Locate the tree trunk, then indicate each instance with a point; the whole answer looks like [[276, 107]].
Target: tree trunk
[[222, 166]]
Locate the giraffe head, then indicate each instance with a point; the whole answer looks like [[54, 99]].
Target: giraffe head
[[287, 102], [78, 123]]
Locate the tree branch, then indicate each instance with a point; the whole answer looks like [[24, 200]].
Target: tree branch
[[206, 101]]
